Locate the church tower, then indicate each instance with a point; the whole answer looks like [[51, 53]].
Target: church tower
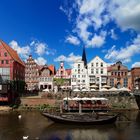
[[84, 57]]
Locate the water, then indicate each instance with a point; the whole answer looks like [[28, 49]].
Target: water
[[36, 126]]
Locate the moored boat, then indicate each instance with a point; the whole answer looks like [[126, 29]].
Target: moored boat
[[82, 119]]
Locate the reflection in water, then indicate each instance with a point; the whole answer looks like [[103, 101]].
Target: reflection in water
[[71, 132], [36, 126]]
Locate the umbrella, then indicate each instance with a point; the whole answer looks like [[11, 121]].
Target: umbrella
[[103, 89], [62, 87], [98, 98], [106, 86], [92, 89], [124, 89], [67, 98], [47, 90], [84, 89], [113, 89], [76, 98], [94, 86], [76, 90], [85, 98]]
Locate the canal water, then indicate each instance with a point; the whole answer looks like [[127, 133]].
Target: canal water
[[37, 127]]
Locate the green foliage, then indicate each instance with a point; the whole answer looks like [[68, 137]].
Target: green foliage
[[61, 81], [17, 85]]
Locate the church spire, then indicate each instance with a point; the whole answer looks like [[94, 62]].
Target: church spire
[[84, 57]]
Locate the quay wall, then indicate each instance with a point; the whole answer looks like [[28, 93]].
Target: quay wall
[[36, 101], [117, 102]]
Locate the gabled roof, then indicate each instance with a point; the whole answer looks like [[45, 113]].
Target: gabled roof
[[115, 67], [96, 57], [52, 68], [12, 53]]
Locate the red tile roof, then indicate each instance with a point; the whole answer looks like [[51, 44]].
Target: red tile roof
[[52, 68], [12, 53]]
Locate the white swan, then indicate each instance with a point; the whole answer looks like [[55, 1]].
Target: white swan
[[19, 116], [25, 137]]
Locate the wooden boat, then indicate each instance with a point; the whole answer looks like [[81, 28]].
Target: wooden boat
[[81, 119]]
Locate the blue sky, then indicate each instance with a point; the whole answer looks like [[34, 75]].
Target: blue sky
[[55, 30]]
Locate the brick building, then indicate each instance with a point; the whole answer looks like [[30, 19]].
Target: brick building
[[119, 76], [11, 66], [31, 74], [135, 73], [46, 75], [12, 73]]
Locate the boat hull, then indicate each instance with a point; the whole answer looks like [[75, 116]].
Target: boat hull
[[58, 119]]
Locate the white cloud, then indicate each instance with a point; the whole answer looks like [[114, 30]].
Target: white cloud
[[81, 29], [113, 35], [92, 15], [93, 10], [60, 58], [70, 59], [73, 40], [126, 53], [67, 11], [136, 64], [97, 41], [40, 48], [126, 13], [22, 51], [41, 61]]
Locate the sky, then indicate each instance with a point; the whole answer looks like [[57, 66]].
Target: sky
[[57, 30]]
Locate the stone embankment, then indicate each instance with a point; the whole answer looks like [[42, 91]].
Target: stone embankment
[[116, 102]]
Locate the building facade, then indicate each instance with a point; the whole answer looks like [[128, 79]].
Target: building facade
[[97, 72], [135, 73], [11, 66], [46, 75], [12, 74], [119, 76], [79, 76], [62, 72], [31, 74]]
